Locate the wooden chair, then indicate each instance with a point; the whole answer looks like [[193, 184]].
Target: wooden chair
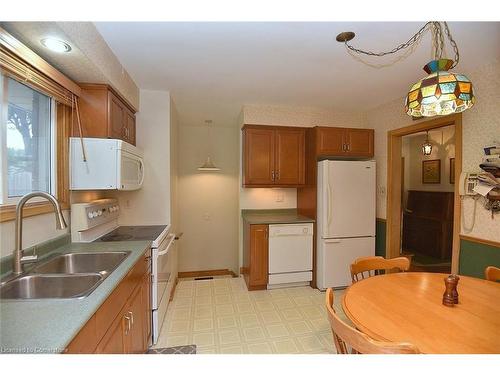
[[492, 273], [373, 265], [344, 336]]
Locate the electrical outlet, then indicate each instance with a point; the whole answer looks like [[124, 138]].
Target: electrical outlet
[[280, 197]]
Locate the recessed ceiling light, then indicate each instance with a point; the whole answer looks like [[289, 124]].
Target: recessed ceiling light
[[55, 45]]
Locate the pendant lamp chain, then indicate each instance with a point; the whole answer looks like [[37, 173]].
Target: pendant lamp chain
[[438, 42]]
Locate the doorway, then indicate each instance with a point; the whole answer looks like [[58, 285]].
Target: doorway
[[428, 182], [432, 169]]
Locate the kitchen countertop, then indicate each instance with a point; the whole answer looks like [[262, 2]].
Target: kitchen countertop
[[48, 326], [284, 216]]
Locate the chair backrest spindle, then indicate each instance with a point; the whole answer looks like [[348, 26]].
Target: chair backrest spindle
[[344, 335]]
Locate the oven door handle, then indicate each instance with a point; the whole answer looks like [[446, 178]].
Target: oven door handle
[[163, 252]]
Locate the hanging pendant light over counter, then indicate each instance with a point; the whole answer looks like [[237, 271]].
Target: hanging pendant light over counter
[[208, 165]]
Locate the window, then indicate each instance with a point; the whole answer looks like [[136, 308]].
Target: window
[[27, 141]]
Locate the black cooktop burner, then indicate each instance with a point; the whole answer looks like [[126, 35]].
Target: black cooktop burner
[[134, 233], [116, 237]]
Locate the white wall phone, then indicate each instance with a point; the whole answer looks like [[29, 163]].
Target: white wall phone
[[468, 182]]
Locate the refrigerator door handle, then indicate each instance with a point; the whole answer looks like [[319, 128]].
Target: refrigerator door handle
[[329, 207]]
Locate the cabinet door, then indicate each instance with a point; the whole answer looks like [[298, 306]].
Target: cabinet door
[[330, 141], [135, 339], [359, 142], [259, 256], [146, 308], [258, 157], [130, 127], [290, 157], [113, 341], [116, 125]]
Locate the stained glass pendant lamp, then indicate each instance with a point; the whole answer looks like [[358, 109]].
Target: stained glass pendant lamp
[[441, 92]]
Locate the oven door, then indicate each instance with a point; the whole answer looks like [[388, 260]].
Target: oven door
[[130, 171], [162, 282], [161, 270]]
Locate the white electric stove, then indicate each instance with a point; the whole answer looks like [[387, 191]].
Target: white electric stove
[[98, 221]]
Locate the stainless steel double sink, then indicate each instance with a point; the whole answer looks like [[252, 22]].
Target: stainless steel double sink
[[73, 275]]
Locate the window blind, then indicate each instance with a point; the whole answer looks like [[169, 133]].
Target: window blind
[[19, 62]]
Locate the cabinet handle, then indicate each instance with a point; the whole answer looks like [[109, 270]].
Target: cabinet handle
[[272, 175], [278, 175], [131, 317], [348, 147], [127, 328]]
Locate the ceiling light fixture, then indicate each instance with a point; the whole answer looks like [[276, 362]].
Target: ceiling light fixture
[[208, 166], [441, 92], [56, 45], [427, 146]]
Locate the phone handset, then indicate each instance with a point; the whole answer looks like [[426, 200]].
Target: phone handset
[[468, 182]]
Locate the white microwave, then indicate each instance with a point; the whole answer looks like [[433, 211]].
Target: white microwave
[[111, 164]]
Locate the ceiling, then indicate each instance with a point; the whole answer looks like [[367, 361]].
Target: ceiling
[[212, 69]]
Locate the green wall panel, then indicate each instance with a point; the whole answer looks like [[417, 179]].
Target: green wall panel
[[475, 257], [380, 238]]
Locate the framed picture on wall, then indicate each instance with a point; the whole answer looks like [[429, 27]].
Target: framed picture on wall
[[431, 171], [452, 170]]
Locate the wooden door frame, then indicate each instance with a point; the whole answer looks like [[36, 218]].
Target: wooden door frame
[[394, 154]]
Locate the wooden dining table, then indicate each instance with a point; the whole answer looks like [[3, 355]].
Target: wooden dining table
[[407, 307]]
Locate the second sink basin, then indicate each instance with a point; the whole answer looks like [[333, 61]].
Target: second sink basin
[[50, 286], [103, 263]]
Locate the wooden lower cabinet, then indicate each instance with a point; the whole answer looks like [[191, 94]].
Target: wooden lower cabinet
[[255, 256], [146, 311], [113, 341], [134, 325], [122, 324]]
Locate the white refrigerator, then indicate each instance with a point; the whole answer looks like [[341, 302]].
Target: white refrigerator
[[345, 220]]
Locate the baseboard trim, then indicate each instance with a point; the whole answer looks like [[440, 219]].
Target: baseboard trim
[[206, 273], [480, 240]]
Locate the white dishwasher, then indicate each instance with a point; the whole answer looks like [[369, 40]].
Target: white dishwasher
[[290, 254]]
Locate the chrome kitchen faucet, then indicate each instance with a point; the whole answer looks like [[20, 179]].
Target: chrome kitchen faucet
[[18, 258]]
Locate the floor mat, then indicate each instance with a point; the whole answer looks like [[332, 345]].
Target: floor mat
[[184, 349]]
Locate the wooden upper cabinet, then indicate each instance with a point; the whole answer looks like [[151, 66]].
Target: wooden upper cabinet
[[116, 125], [258, 156], [330, 141], [359, 142], [273, 156], [290, 157], [344, 142], [130, 126], [104, 114]]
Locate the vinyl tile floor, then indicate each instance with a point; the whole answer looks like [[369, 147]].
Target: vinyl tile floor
[[222, 316]]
